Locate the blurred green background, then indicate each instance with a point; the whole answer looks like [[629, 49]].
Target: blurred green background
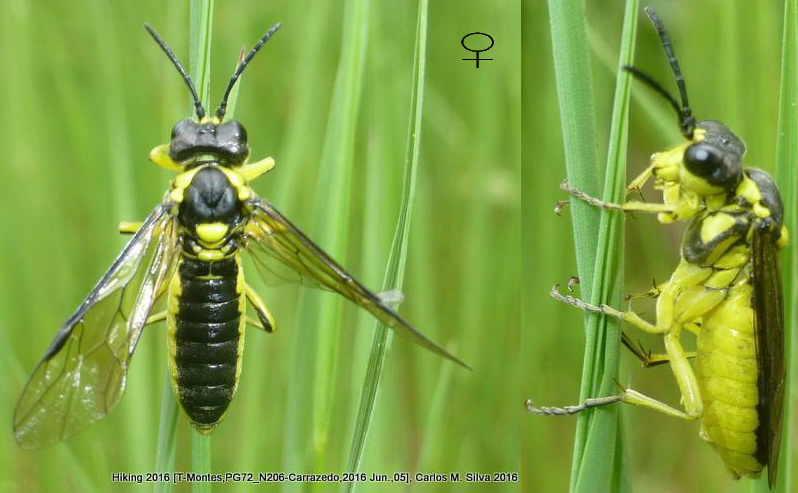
[[729, 52], [87, 94]]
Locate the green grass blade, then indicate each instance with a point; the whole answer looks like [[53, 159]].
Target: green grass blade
[[200, 460], [200, 33], [200, 27], [600, 270], [167, 434], [598, 468], [394, 274], [332, 208], [199, 49], [787, 178], [319, 347]]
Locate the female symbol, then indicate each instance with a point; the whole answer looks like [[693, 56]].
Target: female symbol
[[477, 59]]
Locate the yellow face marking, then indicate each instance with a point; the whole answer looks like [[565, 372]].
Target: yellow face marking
[[211, 233]]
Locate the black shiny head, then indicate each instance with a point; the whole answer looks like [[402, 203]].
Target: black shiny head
[[226, 142], [718, 158], [687, 122]]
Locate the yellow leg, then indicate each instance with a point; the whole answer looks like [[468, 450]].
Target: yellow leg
[[129, 227], [640, 180], [158, 317], [628, 396], [256, 323], [253, 170], [266, 318], [160, 156], [671, 331], [631, 206], [628, 316], [646, 357]]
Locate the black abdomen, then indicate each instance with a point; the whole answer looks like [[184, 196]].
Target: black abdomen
[[206, 337]]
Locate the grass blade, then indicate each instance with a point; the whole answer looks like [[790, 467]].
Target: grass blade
[[394, 274], [200, 31], [596, 466], [319, 351], [200, 27], [787, 179], [600, 270]]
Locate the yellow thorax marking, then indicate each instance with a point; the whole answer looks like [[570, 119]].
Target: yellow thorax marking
[[715, 225], [180, 183], [211, 234], [210, 255]]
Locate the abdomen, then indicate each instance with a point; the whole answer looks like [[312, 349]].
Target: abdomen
[[726, 368], [206, 337]]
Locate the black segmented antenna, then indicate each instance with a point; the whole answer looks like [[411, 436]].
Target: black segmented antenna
[[241, 66], [197, 103], [687, 122]]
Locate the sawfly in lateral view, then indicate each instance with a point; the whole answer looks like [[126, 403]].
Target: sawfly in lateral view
[[187, 252], [726, 289]]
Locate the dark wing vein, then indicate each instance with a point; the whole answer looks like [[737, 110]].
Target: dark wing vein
[[270, 237], [769, 330], [82, 374]]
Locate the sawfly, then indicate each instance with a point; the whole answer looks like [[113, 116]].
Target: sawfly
[[726, 289], [187, 255]]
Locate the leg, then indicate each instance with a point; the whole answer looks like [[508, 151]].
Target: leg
[[129, 227], [160, 156], [646, 357], [158, 317], [628, 396], [253, 170], [631, 206], [628, 316], [266, 318], [675, 354]]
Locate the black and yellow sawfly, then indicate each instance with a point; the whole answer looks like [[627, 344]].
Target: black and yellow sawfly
[[726, 289], [186, 253]]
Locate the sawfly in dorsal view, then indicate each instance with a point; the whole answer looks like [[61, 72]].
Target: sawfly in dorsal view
[[186, 254], [726, 289]]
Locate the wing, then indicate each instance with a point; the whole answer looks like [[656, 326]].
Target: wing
[[271, 237], [769, 330], [82, 374]]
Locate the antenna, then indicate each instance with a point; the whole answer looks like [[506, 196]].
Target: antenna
[[197, 103], [687, 121], [241, 66]]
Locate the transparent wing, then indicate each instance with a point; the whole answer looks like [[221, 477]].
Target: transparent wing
[[82, 374], [769, 331], [275, 244]]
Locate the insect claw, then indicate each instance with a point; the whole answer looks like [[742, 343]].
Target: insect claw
[[559, 205], [620, 386], [572, 281]]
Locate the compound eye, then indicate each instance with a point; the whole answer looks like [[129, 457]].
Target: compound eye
[[711, 163], [184, 128], [231, 133]]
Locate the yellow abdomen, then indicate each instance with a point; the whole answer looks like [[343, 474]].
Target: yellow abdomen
[[726, 367]]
